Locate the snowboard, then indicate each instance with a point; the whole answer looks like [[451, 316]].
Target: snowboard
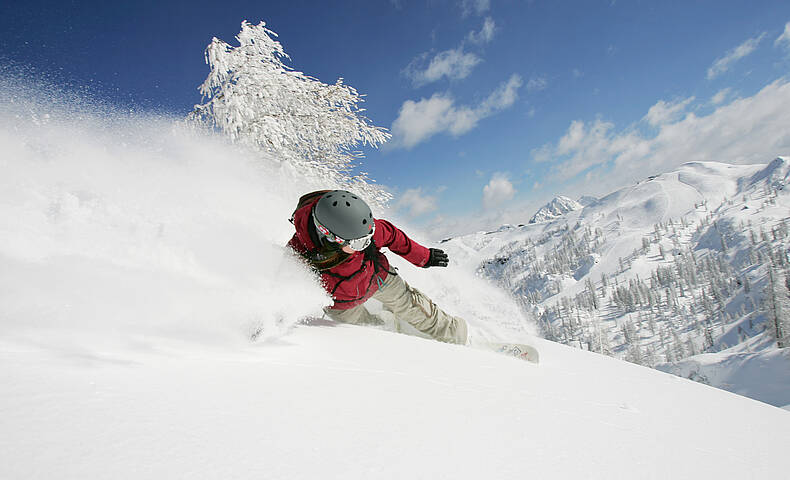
[[517, 350]]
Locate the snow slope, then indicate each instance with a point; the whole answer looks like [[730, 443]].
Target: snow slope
[[352, 402], [659, 272]]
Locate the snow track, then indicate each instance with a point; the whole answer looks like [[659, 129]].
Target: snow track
[[356, 403]]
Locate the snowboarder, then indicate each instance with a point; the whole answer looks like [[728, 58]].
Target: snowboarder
[[338, 236]]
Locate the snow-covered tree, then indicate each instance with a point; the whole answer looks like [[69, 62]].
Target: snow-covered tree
[[777, 301], [254, 98]]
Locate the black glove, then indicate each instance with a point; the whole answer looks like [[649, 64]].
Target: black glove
[[437, 259]]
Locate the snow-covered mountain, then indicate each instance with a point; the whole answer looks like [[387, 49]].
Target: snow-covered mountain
[[556, 208], [585, 200], [672, 272]]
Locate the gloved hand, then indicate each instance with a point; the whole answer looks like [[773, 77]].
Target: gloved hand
[[437, 259]]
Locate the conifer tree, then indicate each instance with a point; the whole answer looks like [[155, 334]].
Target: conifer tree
[[777, 307]]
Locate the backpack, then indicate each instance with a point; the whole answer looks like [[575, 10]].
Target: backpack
[[305, 199]]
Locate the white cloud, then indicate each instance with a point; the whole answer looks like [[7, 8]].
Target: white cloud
[[720, 96], [503, 97], [415, 202], [746, 130], [542, 154], [498, 191], [536, 84], [454, 64], [724, 63], [420, 120], [663, 112], [784, 38], [477, 7], [587, 146], [486, 33]]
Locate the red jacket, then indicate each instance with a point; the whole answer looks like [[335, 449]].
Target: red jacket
[[364, 275]]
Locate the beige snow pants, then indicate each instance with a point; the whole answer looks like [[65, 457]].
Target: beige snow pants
[[410, 305]]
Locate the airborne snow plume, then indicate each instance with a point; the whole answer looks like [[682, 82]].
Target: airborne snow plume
[[134, 225], [140, 226]]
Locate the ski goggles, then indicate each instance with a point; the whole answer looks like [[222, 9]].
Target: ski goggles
[[357, 244], [360, 244]]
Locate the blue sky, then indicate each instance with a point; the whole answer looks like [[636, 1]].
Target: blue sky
[[495, 106]]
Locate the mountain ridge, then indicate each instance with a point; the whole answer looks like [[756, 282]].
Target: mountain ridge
[[660, 271], [556, 208]]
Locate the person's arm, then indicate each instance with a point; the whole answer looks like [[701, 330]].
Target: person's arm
[[390, 236]]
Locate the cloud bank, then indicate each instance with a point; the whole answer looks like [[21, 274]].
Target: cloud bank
[[453, 64], [664, 112], [420, 120], [498, 191], [720, 96], [746, 130], [415, 202]]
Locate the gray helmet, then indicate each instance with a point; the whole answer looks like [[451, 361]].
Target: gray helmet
[[344, 215]]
